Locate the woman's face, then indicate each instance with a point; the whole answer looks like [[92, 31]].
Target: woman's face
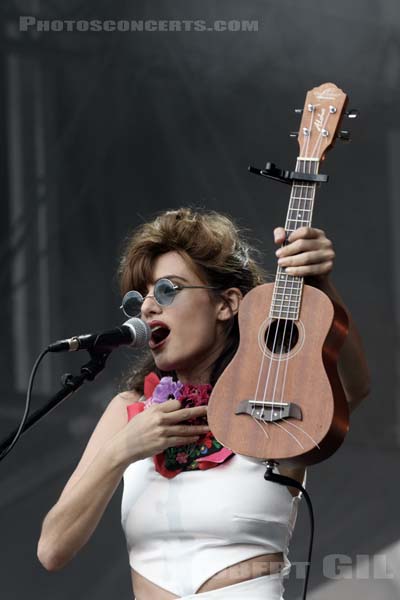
[[195, 319]]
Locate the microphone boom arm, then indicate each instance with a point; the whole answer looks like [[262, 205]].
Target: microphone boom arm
[[70, 384]]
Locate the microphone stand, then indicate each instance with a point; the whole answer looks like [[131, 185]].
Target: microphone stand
[[70, 383]]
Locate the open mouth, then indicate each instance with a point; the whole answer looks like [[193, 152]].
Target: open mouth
[[159, 334]]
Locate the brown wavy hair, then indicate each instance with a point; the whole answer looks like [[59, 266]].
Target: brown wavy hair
[[213, 246]]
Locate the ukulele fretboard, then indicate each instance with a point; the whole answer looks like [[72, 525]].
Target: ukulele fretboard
[[286, 299]]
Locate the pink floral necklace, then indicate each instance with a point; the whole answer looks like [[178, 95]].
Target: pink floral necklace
[[207, 452]]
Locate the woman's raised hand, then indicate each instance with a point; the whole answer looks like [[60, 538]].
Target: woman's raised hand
[[309, 253], [159, 427]]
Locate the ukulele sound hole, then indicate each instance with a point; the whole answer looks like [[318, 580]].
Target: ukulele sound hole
[[281, 336]]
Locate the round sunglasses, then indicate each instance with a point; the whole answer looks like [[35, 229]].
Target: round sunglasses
[[164, 293]]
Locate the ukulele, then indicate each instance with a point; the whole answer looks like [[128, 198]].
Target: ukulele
[[280, 398]]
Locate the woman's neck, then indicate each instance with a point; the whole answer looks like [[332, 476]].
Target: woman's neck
[[195, 378]]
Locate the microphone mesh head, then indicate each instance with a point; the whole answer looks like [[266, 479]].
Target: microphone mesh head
[[141, 332]]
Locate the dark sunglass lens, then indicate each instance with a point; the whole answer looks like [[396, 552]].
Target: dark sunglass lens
[[164, 292], [131, 303]]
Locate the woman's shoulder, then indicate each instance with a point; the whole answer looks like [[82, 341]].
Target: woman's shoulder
[[128, 397]]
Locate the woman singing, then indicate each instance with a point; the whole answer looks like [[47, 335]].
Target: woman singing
[[200, 521]]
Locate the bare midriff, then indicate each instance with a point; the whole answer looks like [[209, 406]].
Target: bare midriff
[[266, 564]]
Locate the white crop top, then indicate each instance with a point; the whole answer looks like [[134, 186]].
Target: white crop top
[[183, 530]]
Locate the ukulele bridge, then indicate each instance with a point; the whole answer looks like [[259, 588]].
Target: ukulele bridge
[[269, 411]]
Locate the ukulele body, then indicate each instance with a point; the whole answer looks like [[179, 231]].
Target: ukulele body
[[303, 412]]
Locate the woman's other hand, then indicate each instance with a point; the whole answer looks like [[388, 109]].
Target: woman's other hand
[[158, 427], [308, 253]]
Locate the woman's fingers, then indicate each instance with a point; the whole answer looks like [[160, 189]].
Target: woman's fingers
[[173, 413], [311, 270], [168, 405], [308, 252], [188, 429], [182, 441], [279, 235], [311, 257], [305, 233], [171, 419]]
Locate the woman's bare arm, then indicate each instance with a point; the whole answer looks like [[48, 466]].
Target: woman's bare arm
[[75, 516], [114, 445], [352, 364]]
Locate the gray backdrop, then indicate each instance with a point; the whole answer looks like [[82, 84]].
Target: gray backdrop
[[102, 129]]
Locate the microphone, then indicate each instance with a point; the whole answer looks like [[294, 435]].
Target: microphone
[[134, 332]]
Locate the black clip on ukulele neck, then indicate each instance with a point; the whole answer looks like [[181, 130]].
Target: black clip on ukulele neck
[[272, 172]]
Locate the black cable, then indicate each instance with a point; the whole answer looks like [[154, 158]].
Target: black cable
[[27, 404], [288, 481]]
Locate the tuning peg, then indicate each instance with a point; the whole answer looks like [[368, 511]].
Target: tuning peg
[[344, 136], [352, 114], [298, 110], [293, 134]]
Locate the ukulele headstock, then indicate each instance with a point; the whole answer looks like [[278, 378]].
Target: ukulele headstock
[[322, 114]]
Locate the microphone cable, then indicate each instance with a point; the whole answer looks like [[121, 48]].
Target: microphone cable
[[27, 404]]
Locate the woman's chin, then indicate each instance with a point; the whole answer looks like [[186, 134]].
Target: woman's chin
[[167, 366], [164, 365]]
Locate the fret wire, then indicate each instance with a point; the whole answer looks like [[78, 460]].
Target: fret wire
[[297, 219], [301, 191], [281, 300], [290, 308], [285, 308], [286, 300], [296, 209], [301, 208], [292, 278], [300, 199], [289, 290], [286, 305], [300, 222], [295, 196], [280, 288], [287, 293], [294, 317], [309, 207], [289, 229]]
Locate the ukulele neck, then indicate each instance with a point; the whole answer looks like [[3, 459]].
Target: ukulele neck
[[288, 289]]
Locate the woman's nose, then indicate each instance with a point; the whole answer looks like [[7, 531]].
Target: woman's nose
[[150, 306]]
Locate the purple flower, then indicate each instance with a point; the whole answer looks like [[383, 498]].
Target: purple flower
[[167, 389]]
